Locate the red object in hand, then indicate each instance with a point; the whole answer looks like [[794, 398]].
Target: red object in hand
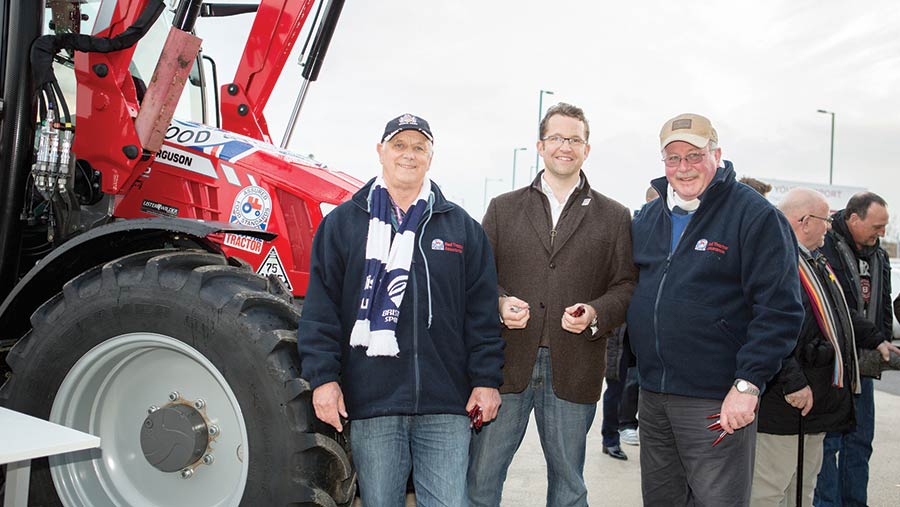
[[719, 438], [475, 418], [578, 311], [716, 426]]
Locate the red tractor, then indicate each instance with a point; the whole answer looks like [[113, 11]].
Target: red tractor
[[152, 269]]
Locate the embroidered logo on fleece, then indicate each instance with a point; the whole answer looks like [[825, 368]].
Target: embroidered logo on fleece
[[446, 246], [704, 245]]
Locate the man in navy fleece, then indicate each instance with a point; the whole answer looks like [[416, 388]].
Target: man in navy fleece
[[399, 332], [716, 308]]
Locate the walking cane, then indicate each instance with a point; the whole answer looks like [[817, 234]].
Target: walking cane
[[800, 461]]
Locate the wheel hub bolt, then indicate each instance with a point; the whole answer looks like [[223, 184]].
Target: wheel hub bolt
[[153, 408], [187, 473], [174, 396], [213, 430], [199, 404], [208, 459]]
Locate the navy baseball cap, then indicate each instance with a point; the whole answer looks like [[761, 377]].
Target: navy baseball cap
[[406, 122]]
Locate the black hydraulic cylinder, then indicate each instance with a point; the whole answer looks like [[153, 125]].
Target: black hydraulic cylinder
[[186, 15], [214, 10], [317, 55], [23, 25]]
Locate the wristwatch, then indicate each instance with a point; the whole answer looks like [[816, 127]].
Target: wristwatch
[[745, 387]]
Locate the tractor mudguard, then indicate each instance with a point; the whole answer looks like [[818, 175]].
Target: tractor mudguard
[[167, 348], [96, 247]]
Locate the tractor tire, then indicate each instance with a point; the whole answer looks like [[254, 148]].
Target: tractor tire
[[166, 334]]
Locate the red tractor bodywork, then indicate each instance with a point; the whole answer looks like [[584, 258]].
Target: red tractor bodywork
[[206, 173], [209, 174]]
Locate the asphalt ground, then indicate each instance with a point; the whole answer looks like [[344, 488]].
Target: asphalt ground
[[612, 482]]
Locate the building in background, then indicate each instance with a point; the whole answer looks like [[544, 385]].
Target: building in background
[[837, 197]]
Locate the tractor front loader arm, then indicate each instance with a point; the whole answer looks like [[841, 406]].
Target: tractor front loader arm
[[275, 30]]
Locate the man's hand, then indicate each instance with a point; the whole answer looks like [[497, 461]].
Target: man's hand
[[886, 348], [514, 313], [575, 320], [328, 400], [488, 398], [738, 410], [802, 399]]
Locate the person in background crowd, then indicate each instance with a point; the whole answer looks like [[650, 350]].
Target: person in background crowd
[[760, 186], [628, 408], [817, 380], [563, 254], [853, 249], [618, 356], [620, 400], [716, 308]]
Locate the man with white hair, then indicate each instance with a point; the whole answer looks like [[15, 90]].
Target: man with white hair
[[816, 381]]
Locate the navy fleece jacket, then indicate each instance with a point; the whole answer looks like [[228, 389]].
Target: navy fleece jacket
[[725, 304], [437, 366]]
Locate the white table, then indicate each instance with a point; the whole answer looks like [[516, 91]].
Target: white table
[[23, 438]]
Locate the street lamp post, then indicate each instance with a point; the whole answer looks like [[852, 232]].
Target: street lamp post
[[484, 199], [537, 155], [831, 161], [515, 151]]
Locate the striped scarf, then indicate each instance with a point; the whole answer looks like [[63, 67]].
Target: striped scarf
[[386, 271], [825, 315]]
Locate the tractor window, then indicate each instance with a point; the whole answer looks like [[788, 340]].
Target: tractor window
[[66, 16]]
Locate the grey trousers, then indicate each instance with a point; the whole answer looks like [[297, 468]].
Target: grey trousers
[[679, 465]]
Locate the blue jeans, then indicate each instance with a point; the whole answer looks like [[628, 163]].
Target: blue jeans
[[844, 478], [436, 446], [562, 426]]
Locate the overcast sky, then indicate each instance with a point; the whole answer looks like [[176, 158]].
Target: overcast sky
[[759, 70]]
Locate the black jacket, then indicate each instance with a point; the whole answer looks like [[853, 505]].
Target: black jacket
[[618, 351], [437, 366], [811, 364], [869, 332], [725, 304]]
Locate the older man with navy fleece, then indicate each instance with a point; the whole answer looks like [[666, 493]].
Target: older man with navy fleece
[[399, 332], [716, 308]]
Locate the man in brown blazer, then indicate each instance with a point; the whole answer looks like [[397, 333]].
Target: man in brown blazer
[[565, 274]]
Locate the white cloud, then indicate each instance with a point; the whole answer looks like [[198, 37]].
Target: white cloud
[[474, 69]]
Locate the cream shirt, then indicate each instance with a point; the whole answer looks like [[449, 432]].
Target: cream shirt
[[556, 206]]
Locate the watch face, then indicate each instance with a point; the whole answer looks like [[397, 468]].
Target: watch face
[[742, 386]]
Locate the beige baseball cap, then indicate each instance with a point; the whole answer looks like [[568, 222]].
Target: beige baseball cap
[[690, 128]]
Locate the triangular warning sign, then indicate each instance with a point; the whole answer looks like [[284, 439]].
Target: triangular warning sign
[[271, 265]]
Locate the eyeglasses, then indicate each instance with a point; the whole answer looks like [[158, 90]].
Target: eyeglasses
[[575, 142], [827, 220], [691, 158]]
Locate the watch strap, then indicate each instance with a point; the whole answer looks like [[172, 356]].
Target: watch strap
[[748, 388]]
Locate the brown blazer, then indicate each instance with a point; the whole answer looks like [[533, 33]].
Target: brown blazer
[[588, 261]]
